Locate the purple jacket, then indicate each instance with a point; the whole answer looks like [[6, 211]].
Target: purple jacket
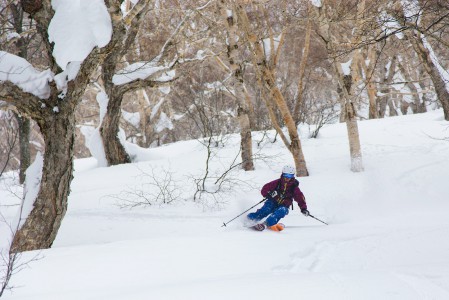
[[287, 191]]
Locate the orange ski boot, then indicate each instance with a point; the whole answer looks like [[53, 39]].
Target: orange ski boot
[[277, 227]]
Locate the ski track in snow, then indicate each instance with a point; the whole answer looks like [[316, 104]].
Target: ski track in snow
[[425, 287]]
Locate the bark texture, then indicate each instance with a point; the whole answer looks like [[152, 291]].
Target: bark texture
[[238, 85], [24, 145], [42, 225]]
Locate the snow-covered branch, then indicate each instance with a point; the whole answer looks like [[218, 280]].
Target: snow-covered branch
[[24, 101], [21, 73], [86, 25]]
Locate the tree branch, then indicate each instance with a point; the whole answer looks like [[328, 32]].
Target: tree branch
[[136, 12], [25, 102], [43, 18]]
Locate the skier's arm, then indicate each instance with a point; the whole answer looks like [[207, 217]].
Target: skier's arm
[[269, 187], [298, 196]]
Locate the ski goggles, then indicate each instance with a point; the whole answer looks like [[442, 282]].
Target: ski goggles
[[285, 175]]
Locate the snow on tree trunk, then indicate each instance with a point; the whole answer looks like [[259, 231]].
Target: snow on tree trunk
[[42, 224]]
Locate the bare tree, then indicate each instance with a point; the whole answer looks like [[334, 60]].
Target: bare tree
[[12, 263], [387, 73], [157, 74], [158, 187], [123, 36], [346, 78], [265, 73], [302, 66], [422, 22], [56, 120], [238, 85], [430, 62]]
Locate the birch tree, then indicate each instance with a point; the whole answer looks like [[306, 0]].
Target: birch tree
[[126, 30], [346, 75], [238, 84], [151, 74], [302, 66], [265, 73], [411, 14], [386, 78]]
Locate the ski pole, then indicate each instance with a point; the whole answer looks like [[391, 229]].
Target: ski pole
[[318, 219], [224, 224]]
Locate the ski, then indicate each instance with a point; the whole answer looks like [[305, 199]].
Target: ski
[[258, 227], [261, 227]]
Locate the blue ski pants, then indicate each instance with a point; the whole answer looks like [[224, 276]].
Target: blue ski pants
[[270, 207]]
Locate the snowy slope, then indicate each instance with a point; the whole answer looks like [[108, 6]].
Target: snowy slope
[[388, 236]]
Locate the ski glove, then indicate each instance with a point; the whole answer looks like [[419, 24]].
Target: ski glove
[[272, 194], [305, 212]]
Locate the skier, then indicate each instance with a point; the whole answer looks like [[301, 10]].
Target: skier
[[280, 194]]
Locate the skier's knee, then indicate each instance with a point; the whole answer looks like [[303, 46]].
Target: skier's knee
[[282, 211]]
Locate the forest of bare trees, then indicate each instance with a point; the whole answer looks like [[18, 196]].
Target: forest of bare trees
[[239, 65]]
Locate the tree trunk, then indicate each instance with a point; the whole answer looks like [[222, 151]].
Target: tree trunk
[[267, 81], [370, 82], [113, 149], [355, 150], [302, 70], [125, 29], [425, 98], [386, 80], [40, 228], [416, 105], [56, 120], [354, 139], [392, 106], [295, 143], [144, 112], [238, 85], [24, 123], [246, 143], [346, 86], [24, 145], [430, 67]]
